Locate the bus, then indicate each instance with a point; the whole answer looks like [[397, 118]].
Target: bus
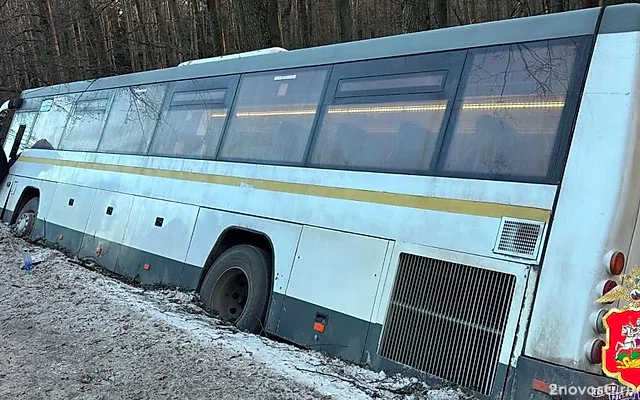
[[446, 204]]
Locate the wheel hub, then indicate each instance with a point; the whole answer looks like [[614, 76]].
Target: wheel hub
[[25, 223], [230, 295]]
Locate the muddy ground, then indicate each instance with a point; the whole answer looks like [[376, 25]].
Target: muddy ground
[[70, 332]]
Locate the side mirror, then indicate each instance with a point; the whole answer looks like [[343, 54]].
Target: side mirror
[[16, 103], [4, 110]]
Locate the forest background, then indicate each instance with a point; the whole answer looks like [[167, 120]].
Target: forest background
[[53, 41]]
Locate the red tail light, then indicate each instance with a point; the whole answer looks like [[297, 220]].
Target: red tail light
[[608, 286], [605, 287], [594, 351], [616, 263]]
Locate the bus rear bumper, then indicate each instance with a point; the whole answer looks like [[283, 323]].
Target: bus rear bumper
[[533, 379]]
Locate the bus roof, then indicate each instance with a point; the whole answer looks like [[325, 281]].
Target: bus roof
[[620, 18], [261, 52]]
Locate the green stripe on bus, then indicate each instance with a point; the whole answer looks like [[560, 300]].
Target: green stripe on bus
[[469, 207]]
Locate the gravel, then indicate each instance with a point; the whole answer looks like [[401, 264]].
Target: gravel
[[71, 332]]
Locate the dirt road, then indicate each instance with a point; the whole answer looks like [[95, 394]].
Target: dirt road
[[67, 332]]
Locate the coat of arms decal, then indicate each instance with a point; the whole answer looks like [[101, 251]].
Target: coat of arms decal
[[621, 354]]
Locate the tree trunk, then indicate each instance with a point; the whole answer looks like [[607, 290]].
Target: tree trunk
[[60, 75], [214, 27], [94, 43], [259, 26], [305, 27], [176, 27], [345, 26], [415, 16], [130, 37], [556, 6], [272, 24], [195, 30], [442, 19]]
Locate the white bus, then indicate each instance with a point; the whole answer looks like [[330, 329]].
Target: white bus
[[448, 204]]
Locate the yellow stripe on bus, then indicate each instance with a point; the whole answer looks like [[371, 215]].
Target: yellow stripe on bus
[[469, 207]]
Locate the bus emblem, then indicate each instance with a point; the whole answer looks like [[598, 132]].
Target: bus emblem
[[621, 353]]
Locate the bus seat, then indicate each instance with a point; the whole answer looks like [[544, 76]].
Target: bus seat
[[286, 144], [410, 146], [534, 151], [493, 143], [351, 145], [42, 144]]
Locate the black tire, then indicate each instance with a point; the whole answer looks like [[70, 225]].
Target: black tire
[[26, 218], [225, 277]]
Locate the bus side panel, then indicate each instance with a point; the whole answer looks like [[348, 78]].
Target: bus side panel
[[68, 215], [283, 236], [18, 185], [105, 230], [156, 240], [447, 306], [468, 228], [5, 192], [334, 282]]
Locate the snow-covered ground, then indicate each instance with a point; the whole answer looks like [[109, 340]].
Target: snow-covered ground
[[67, 331]]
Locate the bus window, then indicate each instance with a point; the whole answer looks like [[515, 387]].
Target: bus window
[[380, 136], [507, 120], [20, 118], [192, 124], [273, 116], [52, 118], [84, 128], [132, 119], [419, 82], [394, 135]]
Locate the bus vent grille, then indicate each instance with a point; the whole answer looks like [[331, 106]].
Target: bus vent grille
[[448, 320], [519, 238]]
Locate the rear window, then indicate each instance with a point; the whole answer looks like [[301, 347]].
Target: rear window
[[509, 113]]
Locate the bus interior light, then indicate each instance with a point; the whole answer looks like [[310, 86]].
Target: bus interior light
[[407, 108]]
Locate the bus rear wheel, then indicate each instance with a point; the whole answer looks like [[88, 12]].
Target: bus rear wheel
[[237, 287], [26, 218]]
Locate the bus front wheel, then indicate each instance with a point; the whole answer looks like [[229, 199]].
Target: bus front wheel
[[27, 218], [237, 287]]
